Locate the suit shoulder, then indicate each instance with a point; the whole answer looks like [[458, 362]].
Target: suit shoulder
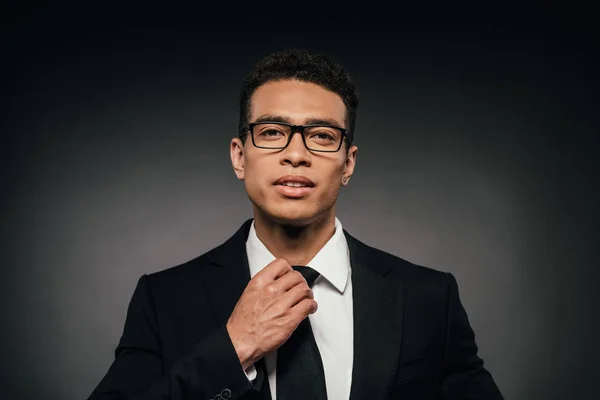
[[176, 275], [405, 269]]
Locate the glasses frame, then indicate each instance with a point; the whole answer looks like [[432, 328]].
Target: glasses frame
[[295, 129]]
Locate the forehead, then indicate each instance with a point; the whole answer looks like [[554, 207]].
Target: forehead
[[297, 101]]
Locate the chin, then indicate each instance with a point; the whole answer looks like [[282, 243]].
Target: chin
[[291, 219], [289, 215]]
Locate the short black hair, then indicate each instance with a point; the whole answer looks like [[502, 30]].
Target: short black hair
[[303, 65]]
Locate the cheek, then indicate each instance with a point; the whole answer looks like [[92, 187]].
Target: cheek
[[251, 180], [332, 191], [331, 186], [256, 180]]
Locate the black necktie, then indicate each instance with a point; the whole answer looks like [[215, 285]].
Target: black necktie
[[300, 373]]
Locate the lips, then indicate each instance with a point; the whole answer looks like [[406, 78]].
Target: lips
[[294, 186], [294, 181]]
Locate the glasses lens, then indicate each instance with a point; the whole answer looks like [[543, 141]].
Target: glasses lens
[[276, 136], [322, 138], [271, 135]]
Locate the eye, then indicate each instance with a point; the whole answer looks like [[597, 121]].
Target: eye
[[271, 132], [323, 134]]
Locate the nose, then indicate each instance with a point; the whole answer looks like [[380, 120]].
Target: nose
[[296, 152]]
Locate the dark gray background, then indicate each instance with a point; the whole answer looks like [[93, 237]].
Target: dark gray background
[[477, 136]]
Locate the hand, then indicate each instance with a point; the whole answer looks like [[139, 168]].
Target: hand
[[271, 307]]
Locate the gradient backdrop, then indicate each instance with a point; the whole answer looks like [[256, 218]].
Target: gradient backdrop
[[478, 144]]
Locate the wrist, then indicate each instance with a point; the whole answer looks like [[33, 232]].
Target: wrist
[[242, 349]]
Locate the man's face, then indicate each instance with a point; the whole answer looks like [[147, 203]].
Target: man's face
[[298, 103]]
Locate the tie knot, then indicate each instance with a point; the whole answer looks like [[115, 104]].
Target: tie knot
[[308, 273]]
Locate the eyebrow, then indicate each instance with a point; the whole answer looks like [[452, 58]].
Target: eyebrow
[[307, 121]]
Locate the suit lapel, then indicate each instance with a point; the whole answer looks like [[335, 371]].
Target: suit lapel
[[227, 277], [377, 307]]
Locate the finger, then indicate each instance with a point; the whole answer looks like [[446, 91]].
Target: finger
[[288, 281], [274, 270], [303, 309], [297, 294]]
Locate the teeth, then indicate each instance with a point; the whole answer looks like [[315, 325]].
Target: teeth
[[293, 184]]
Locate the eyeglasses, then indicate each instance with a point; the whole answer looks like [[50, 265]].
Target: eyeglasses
[[278, 135]]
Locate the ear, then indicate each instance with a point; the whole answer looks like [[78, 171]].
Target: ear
[[349, 164], [236, 150]]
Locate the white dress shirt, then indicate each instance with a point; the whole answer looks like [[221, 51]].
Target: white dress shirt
[[332, 324]]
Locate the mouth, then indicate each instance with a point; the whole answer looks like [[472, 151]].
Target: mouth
[[294, 186], [294, 191]]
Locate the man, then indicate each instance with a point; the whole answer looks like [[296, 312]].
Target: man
[[292, 306]]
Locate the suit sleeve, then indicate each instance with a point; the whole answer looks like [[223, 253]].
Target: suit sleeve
[[465, 378], [212, 368]]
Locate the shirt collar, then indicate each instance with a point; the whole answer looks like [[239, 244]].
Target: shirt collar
[[332, 261]]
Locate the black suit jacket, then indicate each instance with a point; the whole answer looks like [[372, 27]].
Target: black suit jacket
[[412, 338]]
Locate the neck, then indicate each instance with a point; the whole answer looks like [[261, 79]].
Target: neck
[[297, 244]]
